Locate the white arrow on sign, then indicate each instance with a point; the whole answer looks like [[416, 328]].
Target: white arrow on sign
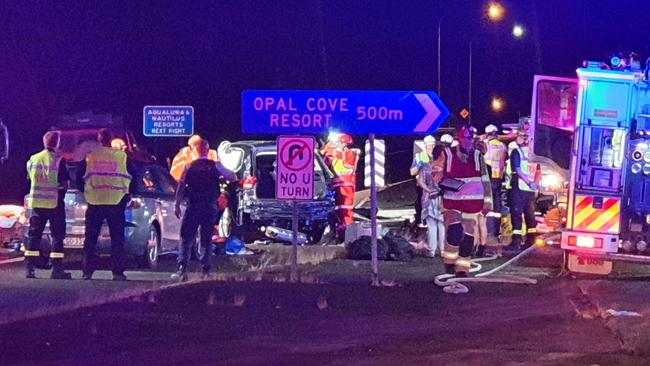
[[433, 112]]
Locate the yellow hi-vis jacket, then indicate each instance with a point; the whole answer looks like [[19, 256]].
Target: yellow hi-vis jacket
[[527, 168], [496, 158], [43, 171], [107, 178]]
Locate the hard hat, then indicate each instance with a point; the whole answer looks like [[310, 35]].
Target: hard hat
[[429, 140], [193, 140], [118, 144], [344, 138], [446, 139], [491, 129]]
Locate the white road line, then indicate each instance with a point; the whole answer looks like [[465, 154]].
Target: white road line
[[12, 260]]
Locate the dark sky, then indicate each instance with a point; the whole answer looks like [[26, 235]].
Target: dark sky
[[117, 56]]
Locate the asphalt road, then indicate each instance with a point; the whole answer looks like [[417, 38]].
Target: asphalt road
[[333, 317]]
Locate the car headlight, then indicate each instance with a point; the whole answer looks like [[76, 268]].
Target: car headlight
[[552, 181]]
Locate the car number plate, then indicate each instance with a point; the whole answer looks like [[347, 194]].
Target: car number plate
[[73, 242]]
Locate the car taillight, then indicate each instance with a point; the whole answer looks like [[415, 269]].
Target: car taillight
[[585, 242], [249, 182]]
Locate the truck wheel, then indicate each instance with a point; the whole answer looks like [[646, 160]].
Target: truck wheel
[[150, 257]]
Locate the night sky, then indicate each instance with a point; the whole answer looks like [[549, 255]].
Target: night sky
[[118, 56]]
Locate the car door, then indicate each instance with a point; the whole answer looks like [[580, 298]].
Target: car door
[[165, 204]]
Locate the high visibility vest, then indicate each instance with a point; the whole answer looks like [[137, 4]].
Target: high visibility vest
[[344, 168], [43, 171], [470, 198], [527, 168], [184, 157], [107, 179], [496, 158]]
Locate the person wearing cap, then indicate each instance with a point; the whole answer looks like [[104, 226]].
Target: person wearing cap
[[522, 193], [495, 161], [49, 179], [419, 159], [461, 207], [187, 155]]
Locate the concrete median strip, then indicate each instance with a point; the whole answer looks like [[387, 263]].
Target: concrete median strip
[[12, 260]]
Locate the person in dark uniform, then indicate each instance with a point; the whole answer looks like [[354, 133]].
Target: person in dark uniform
[[48, 183], [199, 186]]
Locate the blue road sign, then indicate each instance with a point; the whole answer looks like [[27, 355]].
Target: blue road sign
[[350, 111], [160, 120]]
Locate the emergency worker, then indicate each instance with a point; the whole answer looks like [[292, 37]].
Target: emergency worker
[[199, 186], [419, 160], [463, 162], [495, 159], [107, 177], [522, 193], [187, 155], [429, 175], [344, 165], [48, 183]]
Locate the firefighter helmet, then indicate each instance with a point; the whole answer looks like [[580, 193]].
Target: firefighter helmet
[[447, 139], [429, 140]]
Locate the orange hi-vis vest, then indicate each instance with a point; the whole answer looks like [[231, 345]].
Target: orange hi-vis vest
[[344, 165]]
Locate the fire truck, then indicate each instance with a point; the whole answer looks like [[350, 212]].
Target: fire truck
[[609, 179]]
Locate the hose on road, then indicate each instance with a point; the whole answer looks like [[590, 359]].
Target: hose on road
[[444, 280]]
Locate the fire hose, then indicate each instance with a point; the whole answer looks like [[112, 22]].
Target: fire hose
[[444, 280]]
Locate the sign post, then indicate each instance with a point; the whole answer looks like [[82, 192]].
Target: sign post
[[373, 212], [295, 181]]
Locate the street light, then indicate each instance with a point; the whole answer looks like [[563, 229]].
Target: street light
[[518, 31], [498, 104], [495, 11]]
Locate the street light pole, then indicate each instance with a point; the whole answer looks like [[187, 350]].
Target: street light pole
[[470, 83], [439, 56]]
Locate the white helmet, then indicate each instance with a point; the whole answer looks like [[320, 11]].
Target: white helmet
[[491, 129], [446, 139], [429, 140]]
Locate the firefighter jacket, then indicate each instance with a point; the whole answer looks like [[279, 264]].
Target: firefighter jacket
[[107, 178], [495, 158], [43, 171]]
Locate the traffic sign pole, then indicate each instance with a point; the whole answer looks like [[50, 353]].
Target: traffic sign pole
[[373, 212], [294, 243]]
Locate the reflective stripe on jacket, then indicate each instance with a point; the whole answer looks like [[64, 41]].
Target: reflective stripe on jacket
[[527, 168], [107, 178], [43, 171], [496, 158]]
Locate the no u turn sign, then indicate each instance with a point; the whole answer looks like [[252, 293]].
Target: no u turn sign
[[295, 168]]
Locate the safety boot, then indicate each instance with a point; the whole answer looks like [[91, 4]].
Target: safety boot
[[180, 275], [57, 271], [31, 273]]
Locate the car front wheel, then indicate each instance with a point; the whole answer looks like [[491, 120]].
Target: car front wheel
[[150, 258]]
